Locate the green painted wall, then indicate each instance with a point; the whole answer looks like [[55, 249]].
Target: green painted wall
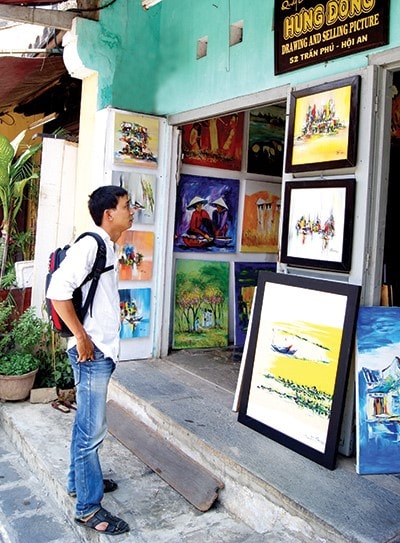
[[123, 48], [147, 59]]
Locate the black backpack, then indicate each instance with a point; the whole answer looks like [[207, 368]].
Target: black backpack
[[99, 267]]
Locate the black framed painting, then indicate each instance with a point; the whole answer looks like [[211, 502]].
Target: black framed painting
[[297, 362], [322, 130], [317, 228]]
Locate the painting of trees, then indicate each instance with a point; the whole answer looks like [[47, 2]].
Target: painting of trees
[[201, 304]]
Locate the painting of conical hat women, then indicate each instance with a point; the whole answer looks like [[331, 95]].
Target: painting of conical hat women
[[206, 214]]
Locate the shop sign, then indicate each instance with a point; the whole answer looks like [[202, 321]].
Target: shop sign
[[310, 31]]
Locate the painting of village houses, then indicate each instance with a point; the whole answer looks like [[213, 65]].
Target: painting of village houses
[[378, 390], [321, 126], [136, 140], [206, 214], [201, 304], [260, 228]]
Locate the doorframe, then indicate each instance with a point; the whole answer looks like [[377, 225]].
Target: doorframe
[[383, 64], [241, 103]]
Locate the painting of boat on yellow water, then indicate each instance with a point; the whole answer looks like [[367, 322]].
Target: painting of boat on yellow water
[[295, 365], [322, 126]]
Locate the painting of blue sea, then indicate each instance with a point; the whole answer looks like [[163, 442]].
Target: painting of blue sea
[[378, 390], [135, 312]]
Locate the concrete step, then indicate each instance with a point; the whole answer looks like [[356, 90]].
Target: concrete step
[[28, 512], [35, 450], [266, 484]]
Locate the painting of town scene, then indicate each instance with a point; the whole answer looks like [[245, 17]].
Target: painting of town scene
[[318, 226], [201, 304], [246, 275], [135, 308], [215, 143], [266, 140], [260, 227], [135, 255], [142, 192], [136, 140], [378, 390], [295, 360], [206, 214], [323, 126]]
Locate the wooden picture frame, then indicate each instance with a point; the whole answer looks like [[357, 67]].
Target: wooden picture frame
[[297, 362], [323, 123], [317, 228]]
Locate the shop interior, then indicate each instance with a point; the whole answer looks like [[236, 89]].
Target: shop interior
[[391, 277]]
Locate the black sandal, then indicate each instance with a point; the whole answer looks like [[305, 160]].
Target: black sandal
[[109, 486], [115, 526]]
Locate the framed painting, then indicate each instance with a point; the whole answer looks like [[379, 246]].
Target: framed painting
[[323, 122], [142, 192], [206, 214], [136, 139], [135, 255], [297, 362], [261, 215], [201, 304], [378, 390], [214, 143], [266, 140], [246, 275], [135, 310], [317, 228]]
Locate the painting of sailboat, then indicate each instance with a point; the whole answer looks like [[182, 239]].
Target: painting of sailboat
[[297, 362]]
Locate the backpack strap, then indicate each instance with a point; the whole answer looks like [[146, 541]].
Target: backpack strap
[[99, 267]]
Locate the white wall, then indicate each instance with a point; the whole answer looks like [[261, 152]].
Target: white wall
[[55, 212]]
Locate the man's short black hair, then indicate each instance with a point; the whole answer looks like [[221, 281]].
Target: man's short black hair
[[103, 198]]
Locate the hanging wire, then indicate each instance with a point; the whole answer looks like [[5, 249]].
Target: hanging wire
[[6, 118]]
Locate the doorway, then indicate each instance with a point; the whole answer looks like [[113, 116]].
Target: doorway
[[391, 262]]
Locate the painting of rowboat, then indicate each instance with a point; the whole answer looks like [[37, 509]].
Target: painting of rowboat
[[297, 362], [206, 214], [378, 390]]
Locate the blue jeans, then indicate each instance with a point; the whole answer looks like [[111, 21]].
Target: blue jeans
[[85, 477]]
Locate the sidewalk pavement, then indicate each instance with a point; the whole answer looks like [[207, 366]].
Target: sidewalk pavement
[[34, 507], [271, 494]]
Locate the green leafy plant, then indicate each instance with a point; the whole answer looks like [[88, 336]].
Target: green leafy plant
[[20, 340], [16, 172], [55, 369], [18, 363]]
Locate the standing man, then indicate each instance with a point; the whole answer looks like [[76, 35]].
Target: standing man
[[93, 352]]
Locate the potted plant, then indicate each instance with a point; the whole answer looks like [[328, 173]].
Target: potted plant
[[20, 338]]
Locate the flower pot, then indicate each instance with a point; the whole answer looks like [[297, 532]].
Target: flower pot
[[16, 387]]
